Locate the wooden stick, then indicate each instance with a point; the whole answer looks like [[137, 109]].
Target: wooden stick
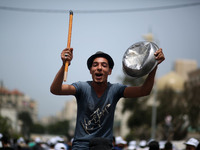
[[68, 43]]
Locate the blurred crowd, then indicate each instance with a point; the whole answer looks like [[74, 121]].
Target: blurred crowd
[[54, 143], [58, 143], [120, 144]]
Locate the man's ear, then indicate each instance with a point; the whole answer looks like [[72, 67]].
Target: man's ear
[[110, 71]]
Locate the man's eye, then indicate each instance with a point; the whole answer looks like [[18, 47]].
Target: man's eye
[[104, 65], [94, 64]]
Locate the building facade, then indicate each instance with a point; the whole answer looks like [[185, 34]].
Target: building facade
[[12, 103]]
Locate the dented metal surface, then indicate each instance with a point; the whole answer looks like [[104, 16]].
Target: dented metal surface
[[139, 59]]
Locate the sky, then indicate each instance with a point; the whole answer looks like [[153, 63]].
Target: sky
[[34, 33]]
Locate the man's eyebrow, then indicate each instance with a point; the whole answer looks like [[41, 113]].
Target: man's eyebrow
[[100, 62], [104, 62], [95, 62]]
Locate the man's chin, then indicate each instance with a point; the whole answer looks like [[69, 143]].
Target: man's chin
[[98, 82]]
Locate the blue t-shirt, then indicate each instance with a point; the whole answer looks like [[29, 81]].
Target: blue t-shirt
[[95, 114]]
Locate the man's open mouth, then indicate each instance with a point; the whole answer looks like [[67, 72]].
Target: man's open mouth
[[98, 74]]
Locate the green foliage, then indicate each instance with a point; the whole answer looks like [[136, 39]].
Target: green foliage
[[61, 127], [26, 118], [139, 121], [193, 100], [131, 103], [142, 132], [183, 107], [5, 126], [57, 128], [170, 103], [27, 122], [140, 117], [173, 104], [37, 128]]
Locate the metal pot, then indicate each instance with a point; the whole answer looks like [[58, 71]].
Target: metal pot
[[139, 59]]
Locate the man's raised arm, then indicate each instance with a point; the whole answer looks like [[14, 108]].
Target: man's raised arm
[[57, 86], [145, 89]]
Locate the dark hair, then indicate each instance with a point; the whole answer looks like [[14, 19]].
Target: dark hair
[[5, 139], [153, 145], [168, 145], [198, 147]]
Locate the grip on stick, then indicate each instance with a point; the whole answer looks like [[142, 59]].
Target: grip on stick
[[68, 43]]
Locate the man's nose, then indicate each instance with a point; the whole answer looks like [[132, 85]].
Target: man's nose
[[99, 66]]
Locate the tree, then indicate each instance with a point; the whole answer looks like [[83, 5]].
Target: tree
[[191, 94], [26, 123], [60, 127], [139, 121], [38, 128], [172, 104], [5, 125]]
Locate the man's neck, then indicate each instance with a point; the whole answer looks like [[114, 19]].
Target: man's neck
[[99, 88], [99, 84]]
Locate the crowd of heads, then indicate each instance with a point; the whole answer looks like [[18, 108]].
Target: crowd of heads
[[59, 143], [120, 144], [54, 143]]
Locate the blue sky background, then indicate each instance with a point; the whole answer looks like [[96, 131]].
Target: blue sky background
[[32, 38]]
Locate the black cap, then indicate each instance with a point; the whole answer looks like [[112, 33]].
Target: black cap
[[154, 145], [100, 54]]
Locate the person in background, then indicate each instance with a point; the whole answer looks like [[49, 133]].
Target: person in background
[[21, 144], [60, 146], [191, 144], [198, 146], [120, 143], [153, 145], [132, 145], [38, 144], [69, 144], [114, 143], [168, 146], [5, 143], [162, 145], [1, 135], [142, 145]]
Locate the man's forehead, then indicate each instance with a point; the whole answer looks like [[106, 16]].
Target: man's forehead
[[100, 60]]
